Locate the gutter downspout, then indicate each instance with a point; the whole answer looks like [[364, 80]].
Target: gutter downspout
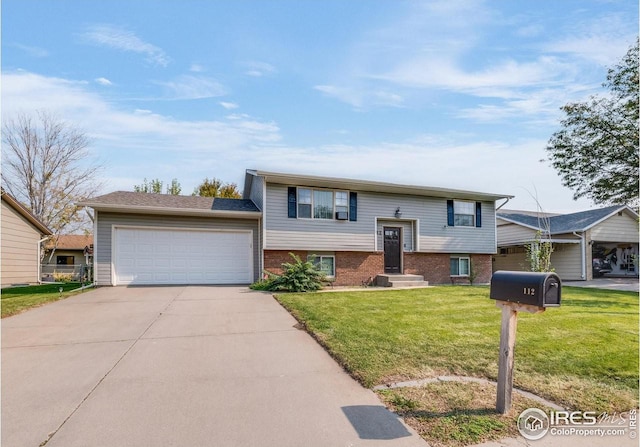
[[495, 230], [583, 255], [505, 202], [39, 277]]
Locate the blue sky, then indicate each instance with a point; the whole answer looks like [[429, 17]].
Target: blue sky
[[462, 94]]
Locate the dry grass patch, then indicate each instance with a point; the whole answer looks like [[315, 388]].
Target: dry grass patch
[[454, 414]]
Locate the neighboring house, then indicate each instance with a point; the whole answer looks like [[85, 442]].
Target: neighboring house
[[587, 244], [21, 237], [70, 253], [354, 230]]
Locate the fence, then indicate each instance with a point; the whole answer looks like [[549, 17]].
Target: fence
[[66, 272]]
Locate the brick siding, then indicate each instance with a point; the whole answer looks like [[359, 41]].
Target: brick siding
[[355, 268]]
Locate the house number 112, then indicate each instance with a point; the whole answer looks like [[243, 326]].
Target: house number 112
[[529, 291]]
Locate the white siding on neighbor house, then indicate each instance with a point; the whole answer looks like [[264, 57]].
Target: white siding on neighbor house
[[284, 233], [565, 259], [78, 256], [512, 234], [106, 221], [19, 248], [407, 233], [515, 262], [617, 228]]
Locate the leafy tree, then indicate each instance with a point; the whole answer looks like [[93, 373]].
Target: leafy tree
[[46, 166], [155, 185], [539, 254], [216, 188], [596, 151], [174, 188], [149, 186]]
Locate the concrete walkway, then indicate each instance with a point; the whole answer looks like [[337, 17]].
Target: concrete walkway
[[179, 366], [627, 284]]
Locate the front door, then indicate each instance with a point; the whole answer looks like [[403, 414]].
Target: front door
[[392, 250]]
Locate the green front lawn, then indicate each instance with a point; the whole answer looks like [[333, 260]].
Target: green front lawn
[[583, 355], [18, 299]]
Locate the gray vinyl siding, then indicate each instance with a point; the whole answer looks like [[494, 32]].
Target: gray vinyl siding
[[616, 229], [106, 221], [256, 193], [19, 248], [283, 233]]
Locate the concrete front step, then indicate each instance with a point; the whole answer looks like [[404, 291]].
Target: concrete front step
[[389, 280], [408, 284]]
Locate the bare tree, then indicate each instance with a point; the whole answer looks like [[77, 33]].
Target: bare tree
[[45, 166]]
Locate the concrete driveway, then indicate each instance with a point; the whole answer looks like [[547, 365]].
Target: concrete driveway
[[626, 284], [179, 366]]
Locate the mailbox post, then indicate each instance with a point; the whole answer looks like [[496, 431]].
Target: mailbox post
[[518, 292]]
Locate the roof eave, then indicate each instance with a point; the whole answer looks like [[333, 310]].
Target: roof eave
[[26, 214], [136, 209], [382, 187], [506, 219]]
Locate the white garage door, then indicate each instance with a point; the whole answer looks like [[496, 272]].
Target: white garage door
[[162, 256]]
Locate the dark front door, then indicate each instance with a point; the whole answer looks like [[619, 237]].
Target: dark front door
[[391, 250]]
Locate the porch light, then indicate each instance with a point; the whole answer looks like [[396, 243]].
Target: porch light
[[398, 213]]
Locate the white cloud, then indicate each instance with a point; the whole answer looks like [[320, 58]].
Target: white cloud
[[140, 143], [103, 81], [122, 39], [229, 105], [192, 87], [196, 68], [31, 50], [361, 97], [602, 39], [135, 143], [259, 69]]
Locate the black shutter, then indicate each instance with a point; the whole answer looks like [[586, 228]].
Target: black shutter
[[450, 217], [353, 206], [478, 214], [292, 204]]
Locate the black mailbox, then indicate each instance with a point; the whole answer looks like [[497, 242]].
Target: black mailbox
[[537, 289]]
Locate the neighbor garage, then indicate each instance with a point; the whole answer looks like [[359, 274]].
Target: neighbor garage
[[158, 239]]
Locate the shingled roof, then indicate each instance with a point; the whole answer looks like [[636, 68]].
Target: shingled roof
[[127, 201], [564, 223]]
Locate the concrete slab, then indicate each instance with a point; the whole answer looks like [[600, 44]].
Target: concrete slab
[[199, 366], [42, 386], [625, 284]]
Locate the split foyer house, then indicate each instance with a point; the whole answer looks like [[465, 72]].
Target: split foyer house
[[21, 237], [586, 244], [353, 229]]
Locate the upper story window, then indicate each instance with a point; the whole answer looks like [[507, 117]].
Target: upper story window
[[322, 203], [464, 213], [308, 203]]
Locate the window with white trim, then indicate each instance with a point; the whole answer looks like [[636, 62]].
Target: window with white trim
[[304, 203], [325, 263], [459, 266], [464, 213], [322, 203]]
